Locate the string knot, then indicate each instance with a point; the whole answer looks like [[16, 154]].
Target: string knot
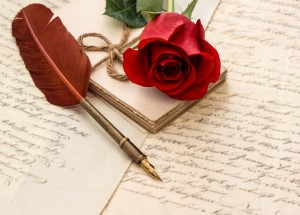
[[114, 51]]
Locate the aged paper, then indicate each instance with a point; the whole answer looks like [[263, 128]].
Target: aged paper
[[237, 151], [53, 160]]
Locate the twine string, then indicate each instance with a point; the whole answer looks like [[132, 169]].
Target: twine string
[[114, 51]]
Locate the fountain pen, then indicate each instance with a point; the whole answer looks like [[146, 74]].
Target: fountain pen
[[130, 149]]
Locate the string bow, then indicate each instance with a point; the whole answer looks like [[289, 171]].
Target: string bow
[[114, 51]]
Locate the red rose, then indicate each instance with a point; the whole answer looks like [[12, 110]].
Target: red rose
[[174, 57]]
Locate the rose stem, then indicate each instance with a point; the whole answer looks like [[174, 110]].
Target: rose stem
[[170, 7]]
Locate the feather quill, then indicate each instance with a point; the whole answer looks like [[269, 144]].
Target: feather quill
[[56, 62], [61, 70]]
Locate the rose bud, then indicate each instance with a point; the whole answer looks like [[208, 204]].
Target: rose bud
[[174, 57]]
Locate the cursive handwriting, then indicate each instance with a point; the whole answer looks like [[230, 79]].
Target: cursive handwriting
[[32, 132]]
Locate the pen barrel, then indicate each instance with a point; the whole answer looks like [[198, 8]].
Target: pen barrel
[[131, 150], [102, 121]]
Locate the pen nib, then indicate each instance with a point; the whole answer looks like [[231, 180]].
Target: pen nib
[[149, 168]]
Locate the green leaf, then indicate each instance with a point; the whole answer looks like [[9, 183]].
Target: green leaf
[[149, 8], [149, 5], [125, 11], [189, 10]]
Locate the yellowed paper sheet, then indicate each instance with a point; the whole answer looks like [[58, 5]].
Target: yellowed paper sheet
[[237, 151]]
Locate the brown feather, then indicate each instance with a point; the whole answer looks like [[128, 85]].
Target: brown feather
[[56, 62]]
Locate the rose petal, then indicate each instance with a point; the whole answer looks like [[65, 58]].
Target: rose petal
[[156, 50], [186, 78], [134, 67], [164, 67], [157, 73], [194, 92], [169, 86], [162, 53], [204, 64], [187, 82], [156, 78], [200, 29], [172, 72], [162, 28], [217, 63], [187, 39]]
